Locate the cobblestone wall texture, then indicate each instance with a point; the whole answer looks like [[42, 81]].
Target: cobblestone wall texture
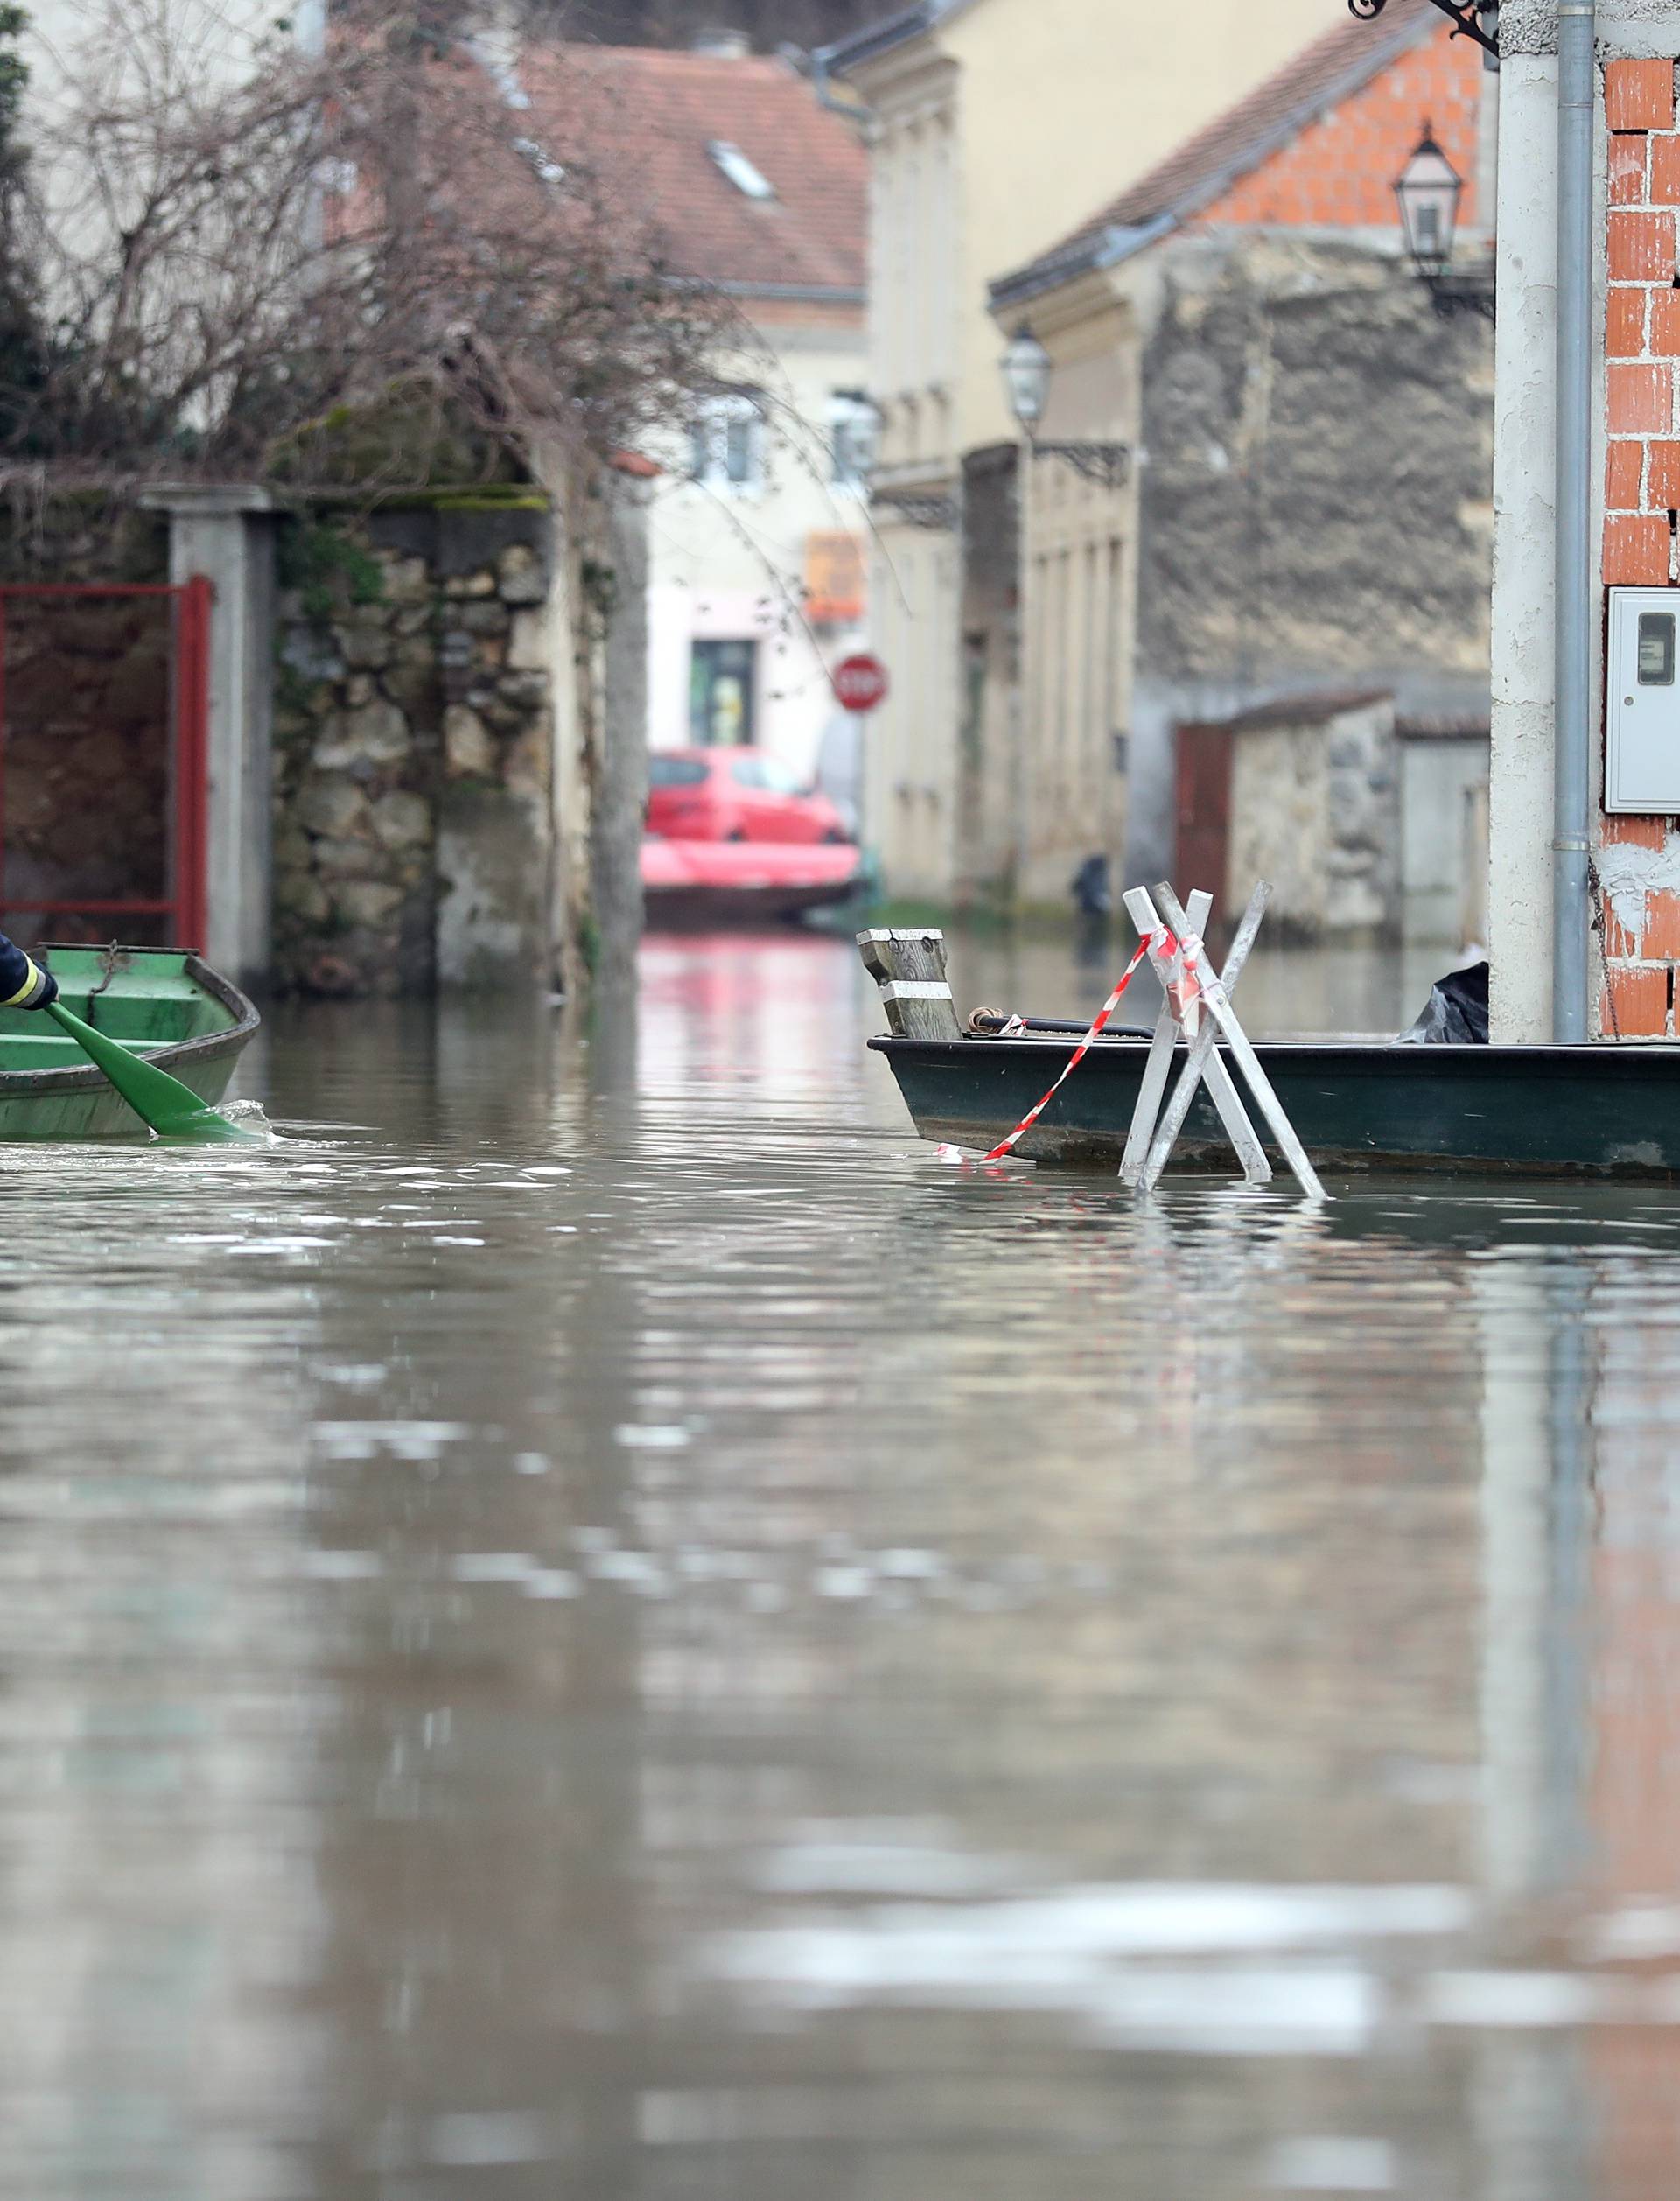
[[414, 687]]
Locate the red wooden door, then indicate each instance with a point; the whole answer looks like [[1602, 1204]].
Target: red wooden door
[[1204, 810], [104, 698]]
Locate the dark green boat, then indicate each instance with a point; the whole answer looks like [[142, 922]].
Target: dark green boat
[[162, 1003], [1581, 1111]]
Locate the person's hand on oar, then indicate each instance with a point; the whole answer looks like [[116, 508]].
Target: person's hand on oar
[[172, 1110], [23, 984]]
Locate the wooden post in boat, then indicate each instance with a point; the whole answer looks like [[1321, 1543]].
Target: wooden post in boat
[[908, 968]]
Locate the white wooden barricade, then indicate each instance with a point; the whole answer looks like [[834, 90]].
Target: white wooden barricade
[[1190, 985]]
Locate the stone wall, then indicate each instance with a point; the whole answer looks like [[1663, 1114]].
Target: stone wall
[[1317, 504], [414, 735], [1315, 808], [1318, 500]]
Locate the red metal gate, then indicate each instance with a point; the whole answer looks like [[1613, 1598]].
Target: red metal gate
[[142, 748]]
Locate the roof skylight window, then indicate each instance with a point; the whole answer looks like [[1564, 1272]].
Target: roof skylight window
[[739, 170]]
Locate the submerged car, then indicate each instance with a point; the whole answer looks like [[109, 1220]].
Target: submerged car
[[736, 795]]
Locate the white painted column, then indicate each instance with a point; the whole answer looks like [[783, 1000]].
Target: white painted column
[[224, 533], [1519, 917]]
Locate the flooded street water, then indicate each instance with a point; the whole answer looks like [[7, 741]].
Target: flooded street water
[[596, 1624]]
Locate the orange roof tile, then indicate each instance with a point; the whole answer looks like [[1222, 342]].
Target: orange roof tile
[[1341, 62]]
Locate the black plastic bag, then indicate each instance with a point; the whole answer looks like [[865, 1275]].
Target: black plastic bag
[[1456, 1014], [1092, 888]]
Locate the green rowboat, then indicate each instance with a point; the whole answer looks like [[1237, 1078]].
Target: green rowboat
[[162, 1003]]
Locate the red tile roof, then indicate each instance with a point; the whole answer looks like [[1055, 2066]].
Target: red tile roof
[[651, 114], [1342, 62]]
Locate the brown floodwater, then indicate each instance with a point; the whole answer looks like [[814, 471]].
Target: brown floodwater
[[595, 1623]]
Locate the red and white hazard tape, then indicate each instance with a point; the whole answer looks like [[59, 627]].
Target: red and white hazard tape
[[1185, 988], [1160, 943]]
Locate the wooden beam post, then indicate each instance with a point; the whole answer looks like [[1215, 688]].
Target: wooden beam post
[[908, 968]]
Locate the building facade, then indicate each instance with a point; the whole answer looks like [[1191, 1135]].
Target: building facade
[[993, 125], [1310, 511], [757, 518]]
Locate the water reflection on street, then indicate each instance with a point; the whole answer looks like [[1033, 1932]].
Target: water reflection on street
[[599, 1625]]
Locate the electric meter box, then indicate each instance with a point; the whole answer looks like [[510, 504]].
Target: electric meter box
[[1642, 749]]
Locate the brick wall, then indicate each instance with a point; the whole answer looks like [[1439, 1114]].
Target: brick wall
[[1639, 858]]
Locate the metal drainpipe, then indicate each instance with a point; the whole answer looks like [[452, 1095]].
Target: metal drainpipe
[[1574, 610]]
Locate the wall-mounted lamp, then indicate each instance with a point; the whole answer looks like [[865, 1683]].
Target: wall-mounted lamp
[[862, 429], [1429, 190], [1477, 19], [1027, 369]]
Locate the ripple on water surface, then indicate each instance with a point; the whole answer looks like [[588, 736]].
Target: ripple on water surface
[[592, 1621]]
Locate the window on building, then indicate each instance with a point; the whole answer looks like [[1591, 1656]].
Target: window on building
[[853, 431], [723, 679], [750, 181], [726, 443]]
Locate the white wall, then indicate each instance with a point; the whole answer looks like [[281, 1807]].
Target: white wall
[[910, 778], [1437, 779], [1525, 479], [729, 564]]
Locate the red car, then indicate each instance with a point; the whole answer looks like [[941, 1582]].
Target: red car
[[735, 795]]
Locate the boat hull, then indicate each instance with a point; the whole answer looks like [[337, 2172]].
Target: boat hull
[[1582, 1111], [167, 1005]]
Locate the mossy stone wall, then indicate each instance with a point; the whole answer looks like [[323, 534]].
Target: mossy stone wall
[[413, 734]]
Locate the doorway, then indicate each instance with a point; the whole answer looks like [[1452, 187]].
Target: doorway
[[723, 691]]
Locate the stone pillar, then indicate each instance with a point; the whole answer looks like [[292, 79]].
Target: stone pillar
[[226, 534], [621, 785], [495, 848]]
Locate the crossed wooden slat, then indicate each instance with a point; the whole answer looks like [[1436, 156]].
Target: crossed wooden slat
[[1188, 980]]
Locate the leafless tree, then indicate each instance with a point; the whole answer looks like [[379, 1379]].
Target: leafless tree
[[229, 244]]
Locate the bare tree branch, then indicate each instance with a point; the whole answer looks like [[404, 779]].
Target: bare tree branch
[[220, 256]]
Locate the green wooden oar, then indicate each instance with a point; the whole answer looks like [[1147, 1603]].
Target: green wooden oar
[[172, 1110]]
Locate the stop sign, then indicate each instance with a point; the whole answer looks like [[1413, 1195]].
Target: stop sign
[[860, 683]]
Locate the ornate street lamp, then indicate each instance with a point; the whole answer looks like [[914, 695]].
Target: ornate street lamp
[[1429, 190], [1027, 368]]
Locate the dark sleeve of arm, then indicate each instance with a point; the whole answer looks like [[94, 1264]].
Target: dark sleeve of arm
[[19, 979]]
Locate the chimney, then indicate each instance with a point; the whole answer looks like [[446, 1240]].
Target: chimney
[[721, 43]]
